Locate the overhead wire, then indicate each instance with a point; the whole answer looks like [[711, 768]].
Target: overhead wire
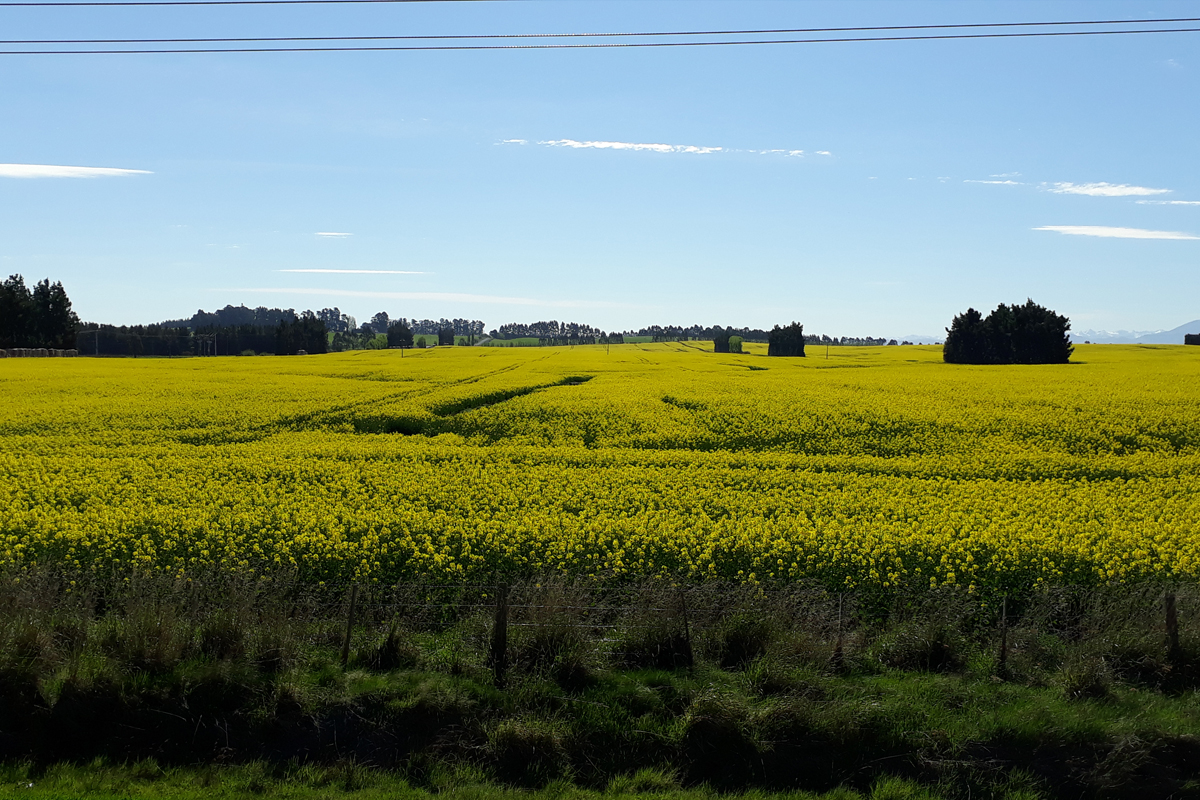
[[600, 45], [78, 3], [623, 34]]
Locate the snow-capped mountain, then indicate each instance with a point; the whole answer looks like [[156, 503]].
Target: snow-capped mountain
[[1173, 336]]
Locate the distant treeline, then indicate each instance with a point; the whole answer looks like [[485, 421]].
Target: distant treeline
[[552, 329], [426, 327], [554, 333], [239, 329], [233, 317], [335, 321], [850, 341], [669, 333], [675, 333], [41, 317], [236, 330], [305, 333], [562, 341]]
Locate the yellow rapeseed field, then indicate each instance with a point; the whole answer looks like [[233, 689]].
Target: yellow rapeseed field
[[876, 467]]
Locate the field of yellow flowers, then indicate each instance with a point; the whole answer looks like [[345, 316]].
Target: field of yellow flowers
[[874, 467]]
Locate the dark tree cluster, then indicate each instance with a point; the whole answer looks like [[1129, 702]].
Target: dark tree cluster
[[241, 329], [1191, 338], [787, 341], [726, 340], [308, 333], [233, 339], [38, 318], [364, 337], [234, 317], [1025, 334], [552, 329], [399, 335], [568, 341], [675, 333], [336, 321], [286, 338], [431, 327], [137, 340], [554, 333]]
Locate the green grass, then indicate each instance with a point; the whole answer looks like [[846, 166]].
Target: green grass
[[146, 779], [769, 727], [149, 692]]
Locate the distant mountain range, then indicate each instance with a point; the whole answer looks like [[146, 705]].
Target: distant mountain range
[[1173, 336]]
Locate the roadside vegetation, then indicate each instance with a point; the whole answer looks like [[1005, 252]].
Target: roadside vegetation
[[1072, 694]]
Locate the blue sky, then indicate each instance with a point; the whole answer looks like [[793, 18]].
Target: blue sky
[[933, 175]]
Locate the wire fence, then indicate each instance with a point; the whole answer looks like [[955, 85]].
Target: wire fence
[[652, 624]]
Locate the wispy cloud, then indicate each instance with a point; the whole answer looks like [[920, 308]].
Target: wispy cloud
[[1169, 202], [1104, 189], [447, 296], [357, 271], [998, 183], [1006, 175], [56, 171], [656, 148], [334, 234], [1115, 233]]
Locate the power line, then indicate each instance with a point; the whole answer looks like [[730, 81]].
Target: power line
[[226, 3], [646, 34], [603, 45]]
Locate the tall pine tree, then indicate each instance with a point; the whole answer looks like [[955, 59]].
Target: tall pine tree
[[41, 318]]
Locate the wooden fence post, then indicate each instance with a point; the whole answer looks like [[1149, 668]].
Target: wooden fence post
[[349, 624], [499, 652], [1172, 627], [1002, 666], [838, 659], [689, 660]]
